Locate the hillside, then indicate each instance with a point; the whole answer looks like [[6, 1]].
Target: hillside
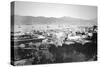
[[30, 20]]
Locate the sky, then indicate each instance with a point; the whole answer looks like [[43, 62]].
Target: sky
[[55, 10]]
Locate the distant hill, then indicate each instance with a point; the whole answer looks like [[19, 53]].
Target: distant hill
[[30, 20]]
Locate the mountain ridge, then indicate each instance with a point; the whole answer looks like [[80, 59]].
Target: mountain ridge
[[31, 20]]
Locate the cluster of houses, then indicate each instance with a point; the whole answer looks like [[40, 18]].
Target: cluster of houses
[[58, 36]]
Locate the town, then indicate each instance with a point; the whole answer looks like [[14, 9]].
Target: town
[[54, 44]]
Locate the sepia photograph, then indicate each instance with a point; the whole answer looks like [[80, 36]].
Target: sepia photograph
[[52, 33]]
